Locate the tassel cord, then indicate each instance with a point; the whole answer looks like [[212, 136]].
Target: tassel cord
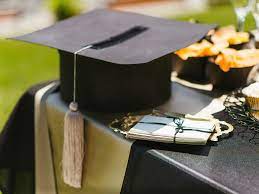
[[73, 146], [75, 70]]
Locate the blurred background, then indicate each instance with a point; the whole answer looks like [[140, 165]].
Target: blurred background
[[22, 64]]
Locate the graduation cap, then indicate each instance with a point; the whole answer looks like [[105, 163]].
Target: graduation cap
[[114, 62], [124, 63]]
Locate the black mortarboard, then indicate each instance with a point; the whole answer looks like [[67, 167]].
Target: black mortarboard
[[128, 64]]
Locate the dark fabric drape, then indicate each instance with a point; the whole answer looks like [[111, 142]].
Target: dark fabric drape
[[17, 146]]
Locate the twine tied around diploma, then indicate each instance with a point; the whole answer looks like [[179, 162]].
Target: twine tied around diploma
[[73, 146]]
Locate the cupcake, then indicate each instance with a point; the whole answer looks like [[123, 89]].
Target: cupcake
[[216, 58], [236, 40], [192, 69], [252, 96], [190, 62], [231, 68]]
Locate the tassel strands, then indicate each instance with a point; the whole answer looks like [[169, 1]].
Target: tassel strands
[[73, 146]]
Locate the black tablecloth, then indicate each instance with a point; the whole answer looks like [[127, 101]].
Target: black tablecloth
[[229, 166]]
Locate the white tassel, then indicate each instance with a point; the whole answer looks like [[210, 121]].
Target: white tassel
[[73, 147]]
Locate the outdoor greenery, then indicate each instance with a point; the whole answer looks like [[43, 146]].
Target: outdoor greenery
[[22, 64], [218, 2], [222, 15], [64, 8]]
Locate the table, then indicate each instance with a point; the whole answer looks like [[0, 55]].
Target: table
[[231, 166], [117, 165]]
